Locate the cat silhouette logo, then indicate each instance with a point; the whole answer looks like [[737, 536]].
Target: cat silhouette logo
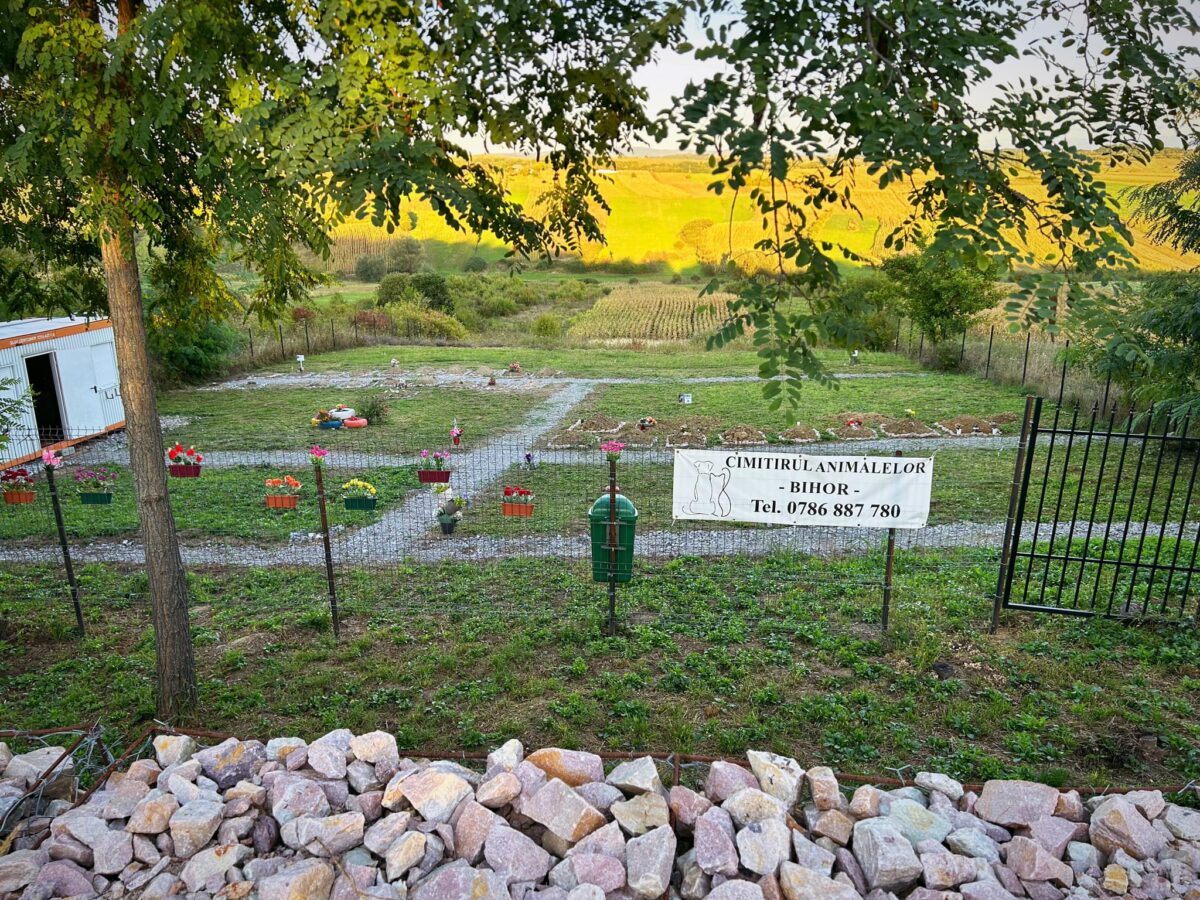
[[710, 496]]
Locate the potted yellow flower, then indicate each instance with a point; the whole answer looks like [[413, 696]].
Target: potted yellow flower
[[359, 494]]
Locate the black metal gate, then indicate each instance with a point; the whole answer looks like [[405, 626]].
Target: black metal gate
[[1103, 517]]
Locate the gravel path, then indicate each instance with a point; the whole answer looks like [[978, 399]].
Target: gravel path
[[398, 378]]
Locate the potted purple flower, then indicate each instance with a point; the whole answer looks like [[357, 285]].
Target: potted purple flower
[[95, 486], [435, 467]]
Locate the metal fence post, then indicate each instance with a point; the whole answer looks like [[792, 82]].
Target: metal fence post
[[307, 342], [888, 569], [612, 547], [962, 351], [333, 600], [1025, 364], [987, 368], [1016, 503], [250, 334], [66, 549], [282, 352], [1062, 382]]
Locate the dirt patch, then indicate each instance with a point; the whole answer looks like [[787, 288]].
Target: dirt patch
[[634, 437], [906, 428], [863, 418], [800, 434], [597, 424], [570, 440], [967, 426], [853, 433], [742, 435]]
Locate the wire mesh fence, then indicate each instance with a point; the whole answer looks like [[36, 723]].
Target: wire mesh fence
[[381, 512]]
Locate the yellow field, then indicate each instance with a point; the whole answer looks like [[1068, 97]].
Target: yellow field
[[662, 211], [654, 312]]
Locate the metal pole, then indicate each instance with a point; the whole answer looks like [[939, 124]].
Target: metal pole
[[66, 549], [1015, 492], [282, 352], [921, 349], [250, 333], [333, 333], [1025, 365], [307, 342], [889, 567], [1062, 382], [962, 351], [333, 600], [612, 547], [899, 323], [987, 368]]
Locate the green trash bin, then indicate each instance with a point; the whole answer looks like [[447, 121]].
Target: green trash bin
[[627, 516]]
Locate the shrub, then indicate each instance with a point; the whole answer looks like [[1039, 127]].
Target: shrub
[[414, 321], [547, 325], [370, 268], [941, 295], [432, 287], [303, 314], [374, 319], [394, 289], [373, 407], [496, 307], [185, 354], [475, 264], [405, 255]]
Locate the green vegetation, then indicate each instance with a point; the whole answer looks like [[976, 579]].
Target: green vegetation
[[279, 418], [782, 653], [223, 502], [667, 361], [716, 407]]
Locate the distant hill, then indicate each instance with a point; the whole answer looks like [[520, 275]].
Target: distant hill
[[662, 212]]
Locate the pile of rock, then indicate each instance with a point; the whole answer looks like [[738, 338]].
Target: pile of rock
[[347, 817]]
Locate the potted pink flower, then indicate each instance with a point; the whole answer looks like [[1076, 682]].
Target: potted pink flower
[[95, 486], [435, 467]]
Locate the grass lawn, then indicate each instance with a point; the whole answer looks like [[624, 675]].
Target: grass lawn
[[225, 502], [779, 653], [931, 397], [666, 361], [278, 418]]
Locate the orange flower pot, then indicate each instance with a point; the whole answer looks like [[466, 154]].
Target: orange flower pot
[[15, 497], [521, 510], [282, 501]]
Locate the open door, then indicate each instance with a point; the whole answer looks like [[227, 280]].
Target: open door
[[47, 408], [77, 387]]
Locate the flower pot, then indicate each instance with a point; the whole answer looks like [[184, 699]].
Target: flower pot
[[457, 439], [433, 476], [520, 510], [332, 423], [95, 498], [14, 497], [448, 523], [184, 470], [360, 502], [355, 422], [282, 501]]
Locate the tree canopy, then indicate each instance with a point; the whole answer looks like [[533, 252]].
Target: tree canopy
[[916, 92]]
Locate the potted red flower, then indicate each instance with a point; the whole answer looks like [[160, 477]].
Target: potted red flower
[[282, 493], [17, 485], [517, 502], [184, 463], [439, 460]]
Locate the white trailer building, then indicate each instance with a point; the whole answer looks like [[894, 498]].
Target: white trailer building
[[69, 368]]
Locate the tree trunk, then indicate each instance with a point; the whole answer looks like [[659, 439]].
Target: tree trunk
[[175, 664]]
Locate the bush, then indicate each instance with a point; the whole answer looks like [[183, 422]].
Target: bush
[[405, 255], [432, 287], [475, 264], [370, 268], [373, 407], [394, 289], [414, 321], [303, 314], [496, 307], [547, 325], [184, 354], [941, 295], [864, 309]]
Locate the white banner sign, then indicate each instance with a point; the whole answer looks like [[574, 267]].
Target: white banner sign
[[796, 489]]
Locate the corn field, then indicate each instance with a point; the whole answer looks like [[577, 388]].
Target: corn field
[[661, 312]]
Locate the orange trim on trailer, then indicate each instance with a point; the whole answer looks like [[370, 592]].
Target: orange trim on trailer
[[39, 337], [62, 445]]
